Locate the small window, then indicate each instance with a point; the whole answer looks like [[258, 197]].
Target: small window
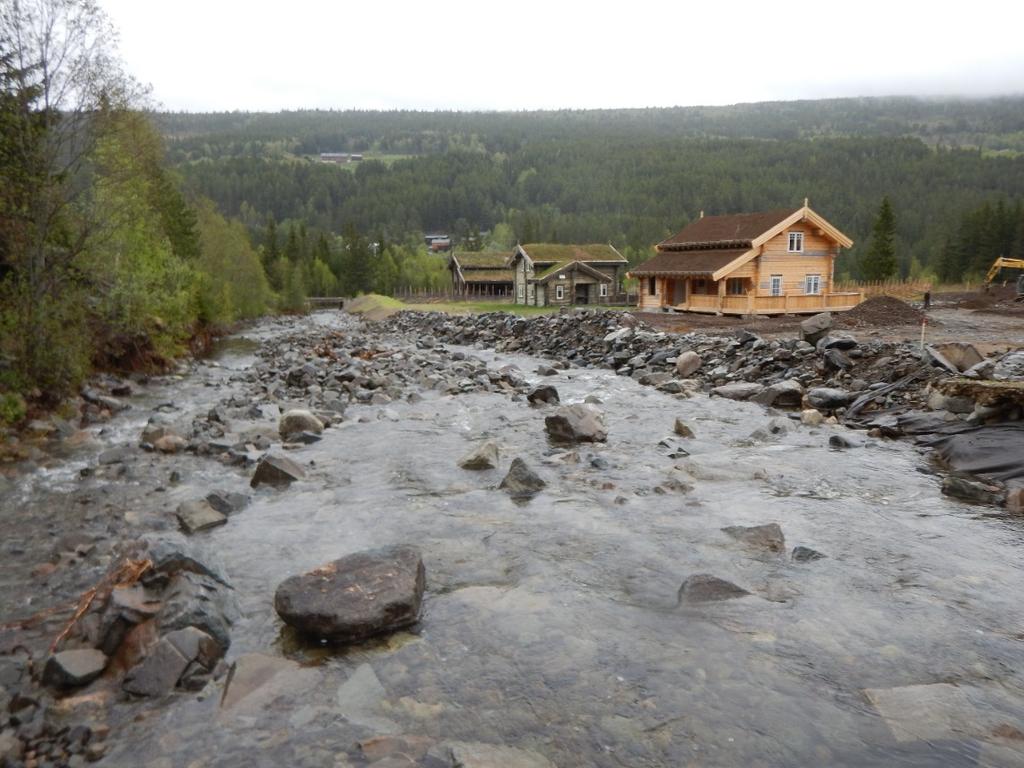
[[699, 285], [559, 292], [776, 285], [812, 284], [652, 286], [796, 242], [520, 290], [603, 291], [735, 286]]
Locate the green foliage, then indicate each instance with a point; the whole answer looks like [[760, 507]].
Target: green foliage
[[982, 235], [233, 284], [12, 408], [879, 263]]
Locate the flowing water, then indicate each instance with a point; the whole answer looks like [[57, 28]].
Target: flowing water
[[556, 626]]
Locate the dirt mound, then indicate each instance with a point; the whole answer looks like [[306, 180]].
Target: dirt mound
[[880, 311]]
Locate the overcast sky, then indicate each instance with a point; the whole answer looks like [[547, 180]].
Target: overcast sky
[[203, 55]]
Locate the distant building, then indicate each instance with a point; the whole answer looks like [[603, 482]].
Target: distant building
[[550, 274], [484, 274], [339, 158], [438, 243]]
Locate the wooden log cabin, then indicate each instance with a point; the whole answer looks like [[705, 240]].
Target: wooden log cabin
[[775, 262], [485, 275], [551, 274]]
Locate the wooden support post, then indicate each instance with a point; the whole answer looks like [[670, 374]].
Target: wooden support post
[[721, 296]]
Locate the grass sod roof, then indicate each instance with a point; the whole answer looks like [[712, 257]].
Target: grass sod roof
[[488, 276], [554, 252], [687, 263], [482, 259], [567, 265], [735, 230]]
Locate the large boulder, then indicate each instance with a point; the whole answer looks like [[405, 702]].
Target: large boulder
[[484, 456], [582, 423], [687, 364], [738, 390], [69, 669], [816, 327], [276, 471], [297, 421], [781, 394], [356, 597], [195, 516], [169, 661], [521, 482]]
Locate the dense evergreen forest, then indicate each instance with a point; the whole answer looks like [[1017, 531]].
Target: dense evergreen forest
[[630, 177]]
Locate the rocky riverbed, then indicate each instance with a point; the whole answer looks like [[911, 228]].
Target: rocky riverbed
[[637, 549]]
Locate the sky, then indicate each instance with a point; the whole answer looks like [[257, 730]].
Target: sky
[[222, 55]]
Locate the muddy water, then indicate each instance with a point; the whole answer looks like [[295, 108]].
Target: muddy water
[[556, 625]]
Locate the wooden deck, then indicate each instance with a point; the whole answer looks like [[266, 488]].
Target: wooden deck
[[768, 305]]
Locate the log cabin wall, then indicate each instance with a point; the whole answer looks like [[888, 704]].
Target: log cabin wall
[[817, 258]]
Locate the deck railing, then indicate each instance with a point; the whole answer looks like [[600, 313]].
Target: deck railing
[[750, 304]]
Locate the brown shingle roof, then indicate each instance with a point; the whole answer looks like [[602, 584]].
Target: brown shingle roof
[[684, 263], [734, 231]]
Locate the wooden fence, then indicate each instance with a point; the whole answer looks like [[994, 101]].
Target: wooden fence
[[900, 289]]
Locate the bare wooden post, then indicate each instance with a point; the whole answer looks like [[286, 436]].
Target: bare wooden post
[[721, 296]]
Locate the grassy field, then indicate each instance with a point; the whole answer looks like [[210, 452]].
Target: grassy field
[[375, 307]]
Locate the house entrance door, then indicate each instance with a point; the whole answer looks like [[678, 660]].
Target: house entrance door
[[679, 292], [582, 294]]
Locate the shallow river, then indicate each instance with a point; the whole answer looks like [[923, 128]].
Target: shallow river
[[556, 626]]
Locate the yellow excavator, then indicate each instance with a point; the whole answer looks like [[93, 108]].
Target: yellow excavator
[[1003, 263]]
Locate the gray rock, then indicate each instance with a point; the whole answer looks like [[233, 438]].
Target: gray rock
[[196, 645], [582, 423], [815, 327], [69, 669], [768, 537], [827, 398], [298, 420], [973, 490], [193, 600], [226, 502], [463, 754], [356, 597], [521, 481], [11, 748], [805, 555], [782, 394], [276, 471], [172, 553], [484, 456], [687, 363], [115, 456], [738, 390], [545, 393], [195, 516], [158, 673], [154, 431], [705, 588]]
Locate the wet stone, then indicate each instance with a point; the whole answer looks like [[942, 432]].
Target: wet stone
[[767, 537], [276, 471], [682, 429], [193, 600], [545, 393], [355, 597], [195, 516], [484, 456], [582, 423], [158, 673], [805, 555], [973, 490], [170, 444], [705, 588], [463, 754], [521, 482], [296, 421], [227, 503], [69, 669], [828, 398]]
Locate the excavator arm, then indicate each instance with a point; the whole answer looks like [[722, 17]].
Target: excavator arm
[[1002, 263]]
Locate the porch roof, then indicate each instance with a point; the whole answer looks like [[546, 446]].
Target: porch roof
[[688, 263]]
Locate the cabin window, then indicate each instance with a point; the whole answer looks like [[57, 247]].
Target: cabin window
[[652, 286], [603, 290], [796, 242], [735, 286], [776, 285], [812, 284], [520, 290], [559, 292]]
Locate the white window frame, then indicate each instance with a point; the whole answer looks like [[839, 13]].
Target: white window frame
[[796, 242], [775, 281], [603, 291], [812, 285], [559, 293], [520, 291]]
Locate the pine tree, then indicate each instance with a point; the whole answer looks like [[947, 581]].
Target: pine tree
[[879, 262]]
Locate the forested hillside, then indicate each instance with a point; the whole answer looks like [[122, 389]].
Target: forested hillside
[[625, 176]]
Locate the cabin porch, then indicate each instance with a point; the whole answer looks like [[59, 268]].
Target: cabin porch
[[738, 296]]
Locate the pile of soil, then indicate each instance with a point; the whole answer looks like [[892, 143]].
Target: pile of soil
[[880, 311]]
